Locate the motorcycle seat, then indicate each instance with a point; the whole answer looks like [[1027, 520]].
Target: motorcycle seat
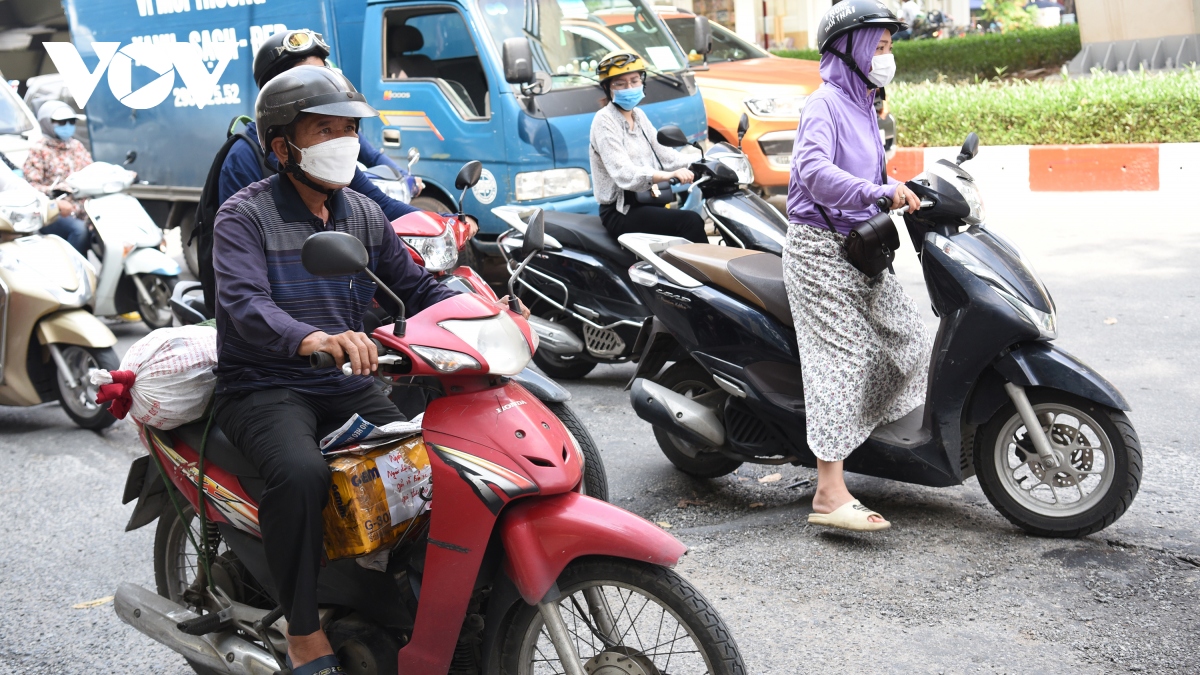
[[754, 276], [586, 233], [219, 450]]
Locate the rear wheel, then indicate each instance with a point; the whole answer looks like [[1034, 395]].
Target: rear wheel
[[191, 253], [156, 313], [690, 379], [595, 479], [624, 618], [79, 401], [1098, 473]]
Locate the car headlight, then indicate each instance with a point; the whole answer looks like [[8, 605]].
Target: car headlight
[[1046, 323], [740, 166], [396, 189], [551, 183], [777, 106], [23, 218], [497, 339], [440, 253]]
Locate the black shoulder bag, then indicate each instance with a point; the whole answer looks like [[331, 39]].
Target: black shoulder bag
[[871, 245]]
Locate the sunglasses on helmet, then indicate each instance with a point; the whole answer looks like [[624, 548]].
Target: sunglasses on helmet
[[297, 41], [615, 61]]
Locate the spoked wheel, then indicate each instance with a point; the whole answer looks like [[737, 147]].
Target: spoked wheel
[[690, 379], [595, 478], [624, 618], [1098, 473], [157, 314], [562, 366], [79, 401]]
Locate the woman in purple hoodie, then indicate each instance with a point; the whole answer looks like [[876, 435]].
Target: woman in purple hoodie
[[864, 347]]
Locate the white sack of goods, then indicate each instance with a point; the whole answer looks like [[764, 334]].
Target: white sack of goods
[[166, 378]]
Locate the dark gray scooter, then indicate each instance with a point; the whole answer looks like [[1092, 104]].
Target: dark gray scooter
[[1044, 433]]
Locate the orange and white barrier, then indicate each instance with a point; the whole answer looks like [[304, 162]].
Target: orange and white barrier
[[1068, 168]]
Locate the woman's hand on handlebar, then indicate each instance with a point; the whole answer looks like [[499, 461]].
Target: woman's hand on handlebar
[[350, 346], [682, 176], [905, 197]]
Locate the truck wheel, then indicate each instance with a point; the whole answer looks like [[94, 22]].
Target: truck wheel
[[79, 402], [1099, 457], [690, 379], [191, 254]]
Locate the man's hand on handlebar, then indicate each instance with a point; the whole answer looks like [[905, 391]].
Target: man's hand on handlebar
[[504, 302], [905, 197], [351, 346]]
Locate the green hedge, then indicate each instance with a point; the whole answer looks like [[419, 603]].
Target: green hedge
[[1102, 108], [977, 56]]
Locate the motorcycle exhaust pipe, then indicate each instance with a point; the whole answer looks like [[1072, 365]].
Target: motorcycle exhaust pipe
[[676, 413], [554, 337], [158, 618]]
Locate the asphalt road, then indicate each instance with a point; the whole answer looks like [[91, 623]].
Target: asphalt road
[[952, 587]]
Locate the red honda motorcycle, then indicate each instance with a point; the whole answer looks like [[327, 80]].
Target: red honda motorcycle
[[511, 569]]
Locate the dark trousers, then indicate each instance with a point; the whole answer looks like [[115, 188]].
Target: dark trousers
[[278, 430], [74, 230], [653, 220]]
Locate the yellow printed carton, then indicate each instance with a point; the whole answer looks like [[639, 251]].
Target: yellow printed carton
[[374, 497]]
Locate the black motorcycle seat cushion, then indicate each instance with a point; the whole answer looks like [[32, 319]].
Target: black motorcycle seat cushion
[[219, 450], [762, 273], [586, 233]]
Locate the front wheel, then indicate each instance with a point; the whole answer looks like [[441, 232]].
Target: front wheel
[[624, 617], [79, 400], [595, 478], [1098, 473], [156, 313]]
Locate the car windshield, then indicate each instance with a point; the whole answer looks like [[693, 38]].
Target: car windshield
[[727, 46], [13, 118], [570, 37]]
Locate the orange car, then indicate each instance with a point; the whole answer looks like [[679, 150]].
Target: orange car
[[743, 78]]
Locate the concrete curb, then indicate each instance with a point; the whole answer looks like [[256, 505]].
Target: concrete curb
[[1068, 168]]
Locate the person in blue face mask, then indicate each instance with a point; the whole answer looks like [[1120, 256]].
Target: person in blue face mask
[[52, 158], [627, 158]]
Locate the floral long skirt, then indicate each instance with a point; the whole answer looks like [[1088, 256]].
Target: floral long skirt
[[864, 349]]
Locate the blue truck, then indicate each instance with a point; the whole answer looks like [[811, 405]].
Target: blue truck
[[511, 83]]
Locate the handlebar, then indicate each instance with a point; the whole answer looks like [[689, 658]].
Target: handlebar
[[326, 360]]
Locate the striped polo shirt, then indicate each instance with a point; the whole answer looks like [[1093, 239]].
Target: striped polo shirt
[[267, 303]]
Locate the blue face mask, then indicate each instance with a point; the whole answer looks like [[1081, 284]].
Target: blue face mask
[[64, 131], [628, 98]]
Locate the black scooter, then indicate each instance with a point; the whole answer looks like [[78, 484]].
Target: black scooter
[[1044, 433], [585, 310]]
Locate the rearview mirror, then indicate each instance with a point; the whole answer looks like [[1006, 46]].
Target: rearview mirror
[[517, 56], [672, 136], [970, 148], [702, 38], [130, 157], [333, 254], [469, 175], [413, 156], [743, 127], [534, 239]]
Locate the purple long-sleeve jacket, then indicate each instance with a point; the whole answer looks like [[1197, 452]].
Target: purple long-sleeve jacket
[[838, 159]]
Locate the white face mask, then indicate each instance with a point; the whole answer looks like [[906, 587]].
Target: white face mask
[[333, 161], [883, 69]]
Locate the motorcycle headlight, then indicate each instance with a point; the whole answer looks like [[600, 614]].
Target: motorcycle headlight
[[23, 218], [551, 183], [497, 339], [740, 166], [777, 106], [446, 360], [440, 253], [1046, 323], [396, 189], [969, 191]]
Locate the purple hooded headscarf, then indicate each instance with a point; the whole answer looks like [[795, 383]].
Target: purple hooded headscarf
[[838, 159]]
